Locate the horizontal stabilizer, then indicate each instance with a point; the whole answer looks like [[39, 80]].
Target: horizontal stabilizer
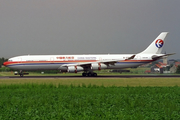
[[155, 57]]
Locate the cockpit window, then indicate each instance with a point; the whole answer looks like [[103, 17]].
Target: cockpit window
[[9, 60]]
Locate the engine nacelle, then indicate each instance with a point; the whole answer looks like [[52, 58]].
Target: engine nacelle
[[98, 66], [74, 69]]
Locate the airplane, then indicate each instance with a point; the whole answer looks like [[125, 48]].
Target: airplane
[[88, 63]]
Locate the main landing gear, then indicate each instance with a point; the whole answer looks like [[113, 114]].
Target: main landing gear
[[89, 74], [21, 73]]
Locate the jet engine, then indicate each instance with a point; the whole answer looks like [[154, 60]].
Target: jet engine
[[74, 69], [98, 66]]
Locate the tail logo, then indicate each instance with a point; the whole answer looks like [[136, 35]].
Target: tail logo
[[159, 43]]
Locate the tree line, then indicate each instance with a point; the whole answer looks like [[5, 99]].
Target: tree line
[[2, 60]]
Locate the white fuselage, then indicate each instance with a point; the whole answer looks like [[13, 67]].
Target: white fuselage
[[59, 62]]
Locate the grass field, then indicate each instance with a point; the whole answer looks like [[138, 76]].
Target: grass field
[[90, 98], [46, 101]]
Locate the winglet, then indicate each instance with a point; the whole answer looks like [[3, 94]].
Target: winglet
[[132, 57]]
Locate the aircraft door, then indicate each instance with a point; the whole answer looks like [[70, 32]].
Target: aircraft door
[[52, 59], [19, 60], [100, 58]]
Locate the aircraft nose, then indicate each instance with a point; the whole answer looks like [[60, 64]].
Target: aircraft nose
[[5, 63]]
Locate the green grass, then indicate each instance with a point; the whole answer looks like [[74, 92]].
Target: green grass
[[96, 81], [90, 98], [47, 101]]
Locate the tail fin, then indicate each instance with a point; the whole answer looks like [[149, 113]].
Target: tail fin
[[156, 46]]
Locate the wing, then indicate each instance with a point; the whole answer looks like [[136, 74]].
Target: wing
[[98, 64], [89, 64], [106, 62]]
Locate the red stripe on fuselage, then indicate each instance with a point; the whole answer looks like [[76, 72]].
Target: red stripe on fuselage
[[66, 61]]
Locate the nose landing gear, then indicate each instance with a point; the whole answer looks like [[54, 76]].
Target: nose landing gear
[[21, 73]]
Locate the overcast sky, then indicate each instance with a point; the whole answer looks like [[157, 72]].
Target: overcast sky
[[87, 26]]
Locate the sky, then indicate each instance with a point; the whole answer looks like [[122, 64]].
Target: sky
[[59, 27]]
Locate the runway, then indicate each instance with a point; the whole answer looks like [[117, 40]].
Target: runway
[[100, 76]]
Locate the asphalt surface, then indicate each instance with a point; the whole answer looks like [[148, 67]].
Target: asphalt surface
[[100, 76]]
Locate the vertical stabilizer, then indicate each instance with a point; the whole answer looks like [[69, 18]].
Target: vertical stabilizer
[[156, 46]]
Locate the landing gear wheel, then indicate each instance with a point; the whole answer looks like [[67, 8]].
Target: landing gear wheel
[[95, 74], [84, 74], [89, 74], [21, 75]]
